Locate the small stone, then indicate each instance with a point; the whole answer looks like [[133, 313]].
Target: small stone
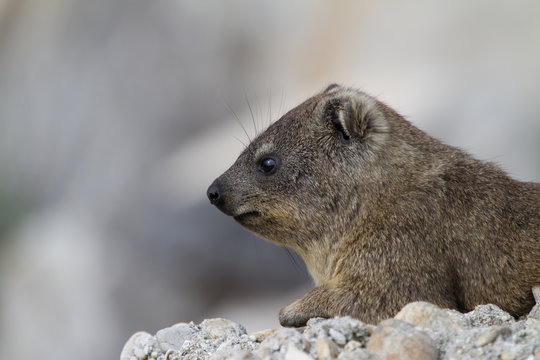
[[293, 353], [138, 346], [534, 314], [172, 338], [535, 311], [536, 353], [221, 328], [326, 349], [490, 334], [431, 317], [234, 355], [358, 354], [417, 312], [262, 352], [352, 345], [536, 293], [338, 337], [489, 315], [506, 355], [283, 337], [340, 329], [400, 340], [259, 336]]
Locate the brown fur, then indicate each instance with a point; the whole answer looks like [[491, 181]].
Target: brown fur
[[383, 214]]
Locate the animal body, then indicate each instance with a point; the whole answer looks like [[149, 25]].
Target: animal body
[[383, 214]]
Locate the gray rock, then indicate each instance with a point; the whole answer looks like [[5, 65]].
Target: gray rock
[[488, 315], [536, 293], [420, 331], [431, 317], [343, 328], [294, 353], [398, 339], [358, 354], [139, 346], [325, 349], [221, 328], [277, 341], [491, 334], [173, 338]]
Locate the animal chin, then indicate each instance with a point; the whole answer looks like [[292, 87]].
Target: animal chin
[[242, 218]]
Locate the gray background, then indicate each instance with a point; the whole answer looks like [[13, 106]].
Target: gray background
[[114, 119]]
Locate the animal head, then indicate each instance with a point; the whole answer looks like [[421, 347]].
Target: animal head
[[310, 173]]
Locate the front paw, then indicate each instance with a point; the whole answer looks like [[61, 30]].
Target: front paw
[[290, 318], [297, 315]]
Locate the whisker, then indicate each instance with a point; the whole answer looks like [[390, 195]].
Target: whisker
[[236, 118], [259, 110], [252, 117], [295, 263], [241, 142], [269, 106], [281, 101]]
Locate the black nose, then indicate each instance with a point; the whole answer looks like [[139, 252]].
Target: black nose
[[213, 193]]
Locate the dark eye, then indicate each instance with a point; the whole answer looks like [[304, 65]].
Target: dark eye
[[268, 165]]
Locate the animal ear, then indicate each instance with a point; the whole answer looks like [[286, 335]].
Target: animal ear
[[331, 87], [337, 113], [349, 116]]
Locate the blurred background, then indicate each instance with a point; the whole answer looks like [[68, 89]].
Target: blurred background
[[115, 116]]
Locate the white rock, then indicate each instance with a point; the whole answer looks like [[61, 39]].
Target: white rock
[[172, 338], [325, 349], [490, 334], [221, 328], [139, 345], [338, 337], [293, 353]]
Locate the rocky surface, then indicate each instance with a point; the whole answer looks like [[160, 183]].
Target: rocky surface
[[419, 331]]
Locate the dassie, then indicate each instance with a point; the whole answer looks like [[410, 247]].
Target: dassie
[[383, 214]]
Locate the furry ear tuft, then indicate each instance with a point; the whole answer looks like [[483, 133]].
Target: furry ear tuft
[[331, 87], [352, 115], [337, 113]]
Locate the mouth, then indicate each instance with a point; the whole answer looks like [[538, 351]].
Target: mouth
[[246, 216]]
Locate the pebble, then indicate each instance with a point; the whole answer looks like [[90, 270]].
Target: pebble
[[326, 349], [259, 336], [358, 354], [173, 338], [430, 316], [138, 346], [419, 331], [221, 328], [536, 353], [293, 353], [489, 315], [536, 293], [401, 340], [490, 335], [506, 355], [284, 337], [340, 329], [417, 312], [337, 336], [352, 345]]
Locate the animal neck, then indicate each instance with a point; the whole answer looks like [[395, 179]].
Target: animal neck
[[320, 259]]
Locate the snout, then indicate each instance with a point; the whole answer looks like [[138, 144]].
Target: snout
[[220, 195], [214, 193]]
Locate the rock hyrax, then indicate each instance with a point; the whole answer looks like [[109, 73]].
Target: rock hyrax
[[383, 214]]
